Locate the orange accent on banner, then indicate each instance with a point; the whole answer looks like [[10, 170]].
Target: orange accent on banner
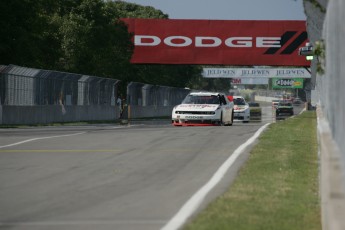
[[222, 42]]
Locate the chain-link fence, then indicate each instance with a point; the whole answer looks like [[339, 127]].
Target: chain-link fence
[[53, 96], [26, 86], [146, 100], [148, 95], [31, 96]]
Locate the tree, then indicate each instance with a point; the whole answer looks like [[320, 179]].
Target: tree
[[210, 84], [21, 25], [94, 41], [131, 10], [81, 36]]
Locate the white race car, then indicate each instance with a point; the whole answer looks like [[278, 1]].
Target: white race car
[[203, 109], [241, 109]]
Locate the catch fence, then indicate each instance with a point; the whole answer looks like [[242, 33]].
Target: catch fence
[[27, 86], [35, 96], [145, 100], [30, 96]]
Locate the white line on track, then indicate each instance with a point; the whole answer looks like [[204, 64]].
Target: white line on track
[[194, 202], [67, 135], [121, 127], [39, 138], [302, 111], [81, 223]]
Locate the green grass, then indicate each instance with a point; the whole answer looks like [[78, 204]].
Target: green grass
[[277, 188]]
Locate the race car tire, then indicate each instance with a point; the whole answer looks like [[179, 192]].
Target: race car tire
[[232, 118], [221, 120], [231, 122]]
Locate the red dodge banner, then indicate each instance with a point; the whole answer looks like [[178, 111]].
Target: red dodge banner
[[248, 43]]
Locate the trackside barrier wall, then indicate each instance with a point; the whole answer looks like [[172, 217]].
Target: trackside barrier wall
[[149, 111], [325, 21], [55, 113], [146, 100], [34, 96]]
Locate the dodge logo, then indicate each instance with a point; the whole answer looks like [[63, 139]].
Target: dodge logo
[[183, 41], [218, 42]]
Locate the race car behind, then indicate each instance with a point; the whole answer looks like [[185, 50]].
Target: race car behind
[[241, 109], [284, 108]]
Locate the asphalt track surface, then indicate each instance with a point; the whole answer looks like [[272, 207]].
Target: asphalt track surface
[[135, 176]]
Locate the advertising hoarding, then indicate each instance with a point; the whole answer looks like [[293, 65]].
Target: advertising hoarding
[[255, 72], [287, 83], [224, 42]]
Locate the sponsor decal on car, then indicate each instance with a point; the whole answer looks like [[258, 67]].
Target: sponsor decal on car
[[194, 117]]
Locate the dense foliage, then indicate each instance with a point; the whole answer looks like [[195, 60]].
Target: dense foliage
[[81, 36]]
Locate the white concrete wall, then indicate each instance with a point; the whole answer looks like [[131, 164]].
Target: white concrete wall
[[330, 90]]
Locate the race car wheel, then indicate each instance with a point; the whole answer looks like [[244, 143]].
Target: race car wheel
[[221, 120], [232, 118]]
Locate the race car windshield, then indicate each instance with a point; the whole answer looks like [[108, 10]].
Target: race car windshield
[[197, 99], [285, 104], [239, 101]]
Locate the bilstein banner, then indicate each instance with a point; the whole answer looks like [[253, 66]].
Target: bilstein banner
[[223, 42]]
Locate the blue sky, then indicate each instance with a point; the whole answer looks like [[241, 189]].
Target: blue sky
[[229, 9]]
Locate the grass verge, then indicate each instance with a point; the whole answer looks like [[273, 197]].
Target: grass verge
[[277, 188]]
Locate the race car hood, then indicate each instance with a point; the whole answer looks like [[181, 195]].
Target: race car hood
[[196, 107], [240, 107]]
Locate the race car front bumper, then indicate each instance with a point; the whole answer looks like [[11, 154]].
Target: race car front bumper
[[182, 122], [242, 116], [195, 120]]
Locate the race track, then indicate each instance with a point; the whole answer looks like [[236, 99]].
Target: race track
[[111, 177]]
